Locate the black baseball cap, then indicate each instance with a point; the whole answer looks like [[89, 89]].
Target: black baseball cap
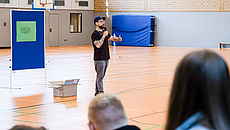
[[98, 18]]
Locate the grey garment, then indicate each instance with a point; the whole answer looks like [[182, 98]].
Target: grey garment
[[100, 67]]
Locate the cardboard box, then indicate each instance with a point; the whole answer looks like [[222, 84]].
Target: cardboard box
[[65, 89]]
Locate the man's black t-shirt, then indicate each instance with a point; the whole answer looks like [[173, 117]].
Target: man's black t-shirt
[[101, 53]]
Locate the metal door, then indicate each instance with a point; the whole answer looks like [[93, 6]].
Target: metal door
[[53, 30]]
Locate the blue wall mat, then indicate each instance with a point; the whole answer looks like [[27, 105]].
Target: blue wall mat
[[135, 30], [28, 54]]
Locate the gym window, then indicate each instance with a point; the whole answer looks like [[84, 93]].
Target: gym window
[[4, 1], [83, 3], [75, 22], [30, 2], [59, 3]]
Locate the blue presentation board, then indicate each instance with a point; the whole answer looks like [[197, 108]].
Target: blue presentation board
[[27, 39], [135, 30]]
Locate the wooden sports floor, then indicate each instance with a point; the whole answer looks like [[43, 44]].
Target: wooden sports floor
[[140, 76]]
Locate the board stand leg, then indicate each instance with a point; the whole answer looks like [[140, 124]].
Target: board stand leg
[[46, 71], [11, 77]]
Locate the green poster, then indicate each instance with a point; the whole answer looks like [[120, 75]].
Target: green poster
[[26, 31]]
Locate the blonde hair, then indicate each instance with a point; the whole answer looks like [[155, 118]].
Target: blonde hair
[[106, 112]]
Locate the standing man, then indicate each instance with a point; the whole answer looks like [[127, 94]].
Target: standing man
[[100, 37]]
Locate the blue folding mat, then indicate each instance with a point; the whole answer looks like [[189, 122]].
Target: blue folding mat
[[135, 30]]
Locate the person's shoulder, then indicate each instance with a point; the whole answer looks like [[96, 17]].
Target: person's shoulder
[[202, 125], [95, 32], [196, 122], [199, 127], [128, 127]]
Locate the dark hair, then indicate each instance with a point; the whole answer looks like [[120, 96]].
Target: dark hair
[[201, 84], [24, 127]]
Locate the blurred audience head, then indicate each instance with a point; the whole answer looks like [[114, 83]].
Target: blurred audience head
[[106, 112], [201, 84]]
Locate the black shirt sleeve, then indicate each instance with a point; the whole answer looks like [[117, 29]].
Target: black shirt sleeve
[[109, 35], [95, 36]]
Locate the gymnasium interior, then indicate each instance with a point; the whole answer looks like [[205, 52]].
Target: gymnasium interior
[[156, 35]]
